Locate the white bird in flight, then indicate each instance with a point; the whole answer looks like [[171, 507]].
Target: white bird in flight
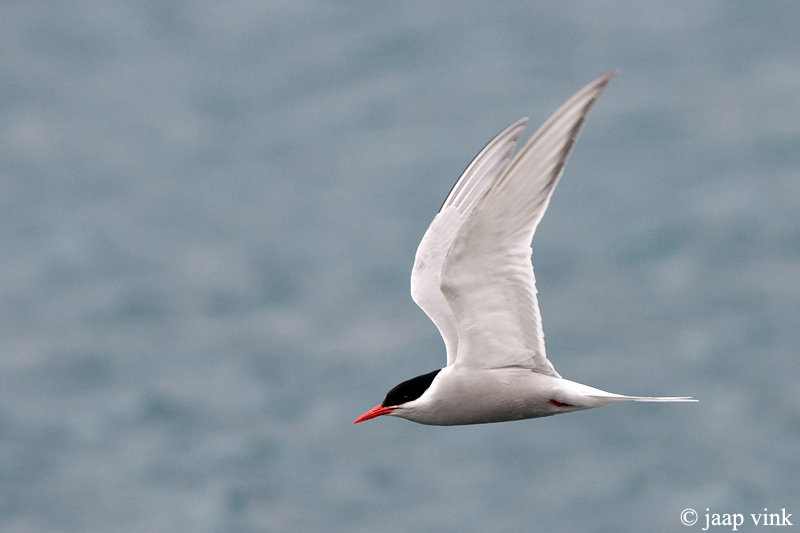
[[473, 277]]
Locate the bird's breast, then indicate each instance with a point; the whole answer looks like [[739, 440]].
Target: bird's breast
[[463, 395]]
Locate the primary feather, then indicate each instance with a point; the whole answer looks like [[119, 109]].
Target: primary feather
[[487, 276], [479, 176]]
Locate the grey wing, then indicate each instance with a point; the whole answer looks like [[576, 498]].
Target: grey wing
[[487, 277], [479, 176]]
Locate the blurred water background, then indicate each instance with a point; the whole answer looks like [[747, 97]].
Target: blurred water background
[[208, 217]]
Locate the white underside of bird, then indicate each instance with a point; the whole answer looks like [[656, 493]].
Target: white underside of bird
[[473, 277]]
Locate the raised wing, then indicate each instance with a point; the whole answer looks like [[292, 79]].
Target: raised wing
[[487, 276], [470, 187]]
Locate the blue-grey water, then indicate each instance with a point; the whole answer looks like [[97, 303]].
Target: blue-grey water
[[208, 217]]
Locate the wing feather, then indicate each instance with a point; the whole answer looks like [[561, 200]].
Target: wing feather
[[479, 176], [487, 276]]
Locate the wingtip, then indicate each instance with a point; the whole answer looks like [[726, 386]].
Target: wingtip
[[604, 79], [517, 125]]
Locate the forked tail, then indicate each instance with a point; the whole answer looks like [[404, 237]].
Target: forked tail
[[588, 397], [622, 398]]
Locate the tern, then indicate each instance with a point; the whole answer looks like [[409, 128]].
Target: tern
[[473, 277]]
